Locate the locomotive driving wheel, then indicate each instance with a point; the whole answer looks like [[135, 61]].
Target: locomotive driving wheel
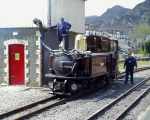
[[73, 87]]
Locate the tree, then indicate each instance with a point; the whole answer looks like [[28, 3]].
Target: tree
[[147, 47], [139, 34]]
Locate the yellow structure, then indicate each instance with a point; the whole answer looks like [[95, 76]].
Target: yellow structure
[[80, 43]]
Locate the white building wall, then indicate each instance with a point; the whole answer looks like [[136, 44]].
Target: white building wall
[[72, 10]]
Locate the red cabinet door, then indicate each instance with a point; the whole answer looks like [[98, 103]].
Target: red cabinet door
[[16, 64]]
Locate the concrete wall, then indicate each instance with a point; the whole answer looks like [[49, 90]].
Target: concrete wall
[[72, 10]]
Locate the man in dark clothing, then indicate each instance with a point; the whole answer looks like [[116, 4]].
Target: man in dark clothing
[[129, 64], [63, 32]]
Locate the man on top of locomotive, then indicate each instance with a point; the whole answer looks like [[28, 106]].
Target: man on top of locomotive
[[129, 65], [63, 28], [63, 32]]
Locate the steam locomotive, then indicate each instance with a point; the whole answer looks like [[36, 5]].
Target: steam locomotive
[[75, 70], [93, 61]]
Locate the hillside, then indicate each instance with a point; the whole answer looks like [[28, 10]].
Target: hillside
[[118, 16]]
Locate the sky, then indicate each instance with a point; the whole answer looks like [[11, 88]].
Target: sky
[[98, 7], [21, 12]]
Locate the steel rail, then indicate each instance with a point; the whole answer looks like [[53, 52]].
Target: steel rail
[[35, 110], [29, 110], [134, 103], [12, 112], [108, 106]]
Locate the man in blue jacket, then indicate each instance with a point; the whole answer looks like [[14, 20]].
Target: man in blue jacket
[[129, 65], [63, 28], [63, 32]]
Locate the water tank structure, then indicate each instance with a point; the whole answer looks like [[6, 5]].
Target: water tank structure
[[72, 10]]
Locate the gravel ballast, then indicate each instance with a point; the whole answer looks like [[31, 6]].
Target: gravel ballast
[[83, 107], [12, 97]]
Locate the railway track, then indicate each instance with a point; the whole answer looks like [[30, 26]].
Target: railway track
[[134, 95], [32, 109], [29, 110]]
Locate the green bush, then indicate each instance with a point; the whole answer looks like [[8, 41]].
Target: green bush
[[147, 47], [141, 51]]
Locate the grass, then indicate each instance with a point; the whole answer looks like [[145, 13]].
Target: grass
[[143, 63]]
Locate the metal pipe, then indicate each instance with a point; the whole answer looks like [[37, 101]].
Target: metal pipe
[[49, 12]]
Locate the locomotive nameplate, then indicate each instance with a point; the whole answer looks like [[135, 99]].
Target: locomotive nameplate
[[99, 65]]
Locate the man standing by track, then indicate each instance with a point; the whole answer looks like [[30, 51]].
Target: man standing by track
[[129, 65]]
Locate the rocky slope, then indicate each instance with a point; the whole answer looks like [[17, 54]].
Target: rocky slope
[[122, 17]]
